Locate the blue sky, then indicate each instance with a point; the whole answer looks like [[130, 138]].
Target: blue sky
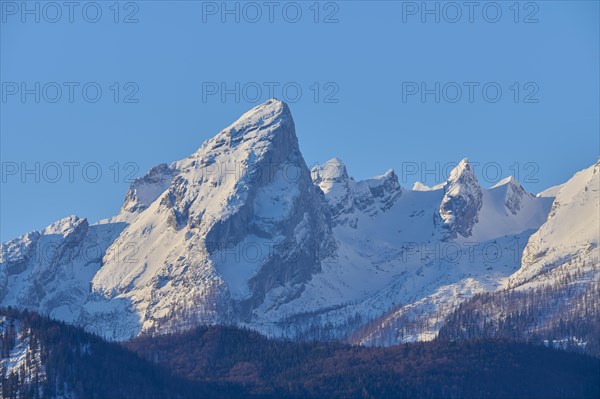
[[355, 73]]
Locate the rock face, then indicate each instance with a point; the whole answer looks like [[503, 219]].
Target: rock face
[[514, 194], [345, 196], [332, 178], [377, 194], [462, 201], [145, 190]]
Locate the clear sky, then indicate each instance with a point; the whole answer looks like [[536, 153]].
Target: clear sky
[[360, 65]]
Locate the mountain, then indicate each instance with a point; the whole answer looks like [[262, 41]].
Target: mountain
[[406, 258], [242, 232], [238, 219], [554, 296], [462, 201]]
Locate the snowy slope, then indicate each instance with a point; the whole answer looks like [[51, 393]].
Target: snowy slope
[[550, 192], [572, 231]]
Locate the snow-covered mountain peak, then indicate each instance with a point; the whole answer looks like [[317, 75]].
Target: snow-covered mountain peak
[[462, 201], [382, 185], [240, 217], [143, 191], [18, 251], [378, 193], [462, 173], [337, 163], [389, 175], [260, 123], [332, 178], [65, 225], [347, 197], [583, 186], [329, 174], [267, 113], [506, 181], [418, 186], [513, 194]]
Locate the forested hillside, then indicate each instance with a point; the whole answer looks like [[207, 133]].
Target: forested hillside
[[564, 314], [438, 369], [43, 358]]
